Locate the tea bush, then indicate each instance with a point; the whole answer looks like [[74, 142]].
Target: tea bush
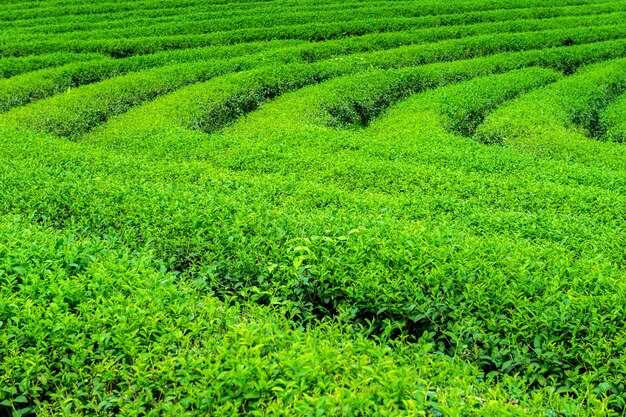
[[561, 112], [612, 122]]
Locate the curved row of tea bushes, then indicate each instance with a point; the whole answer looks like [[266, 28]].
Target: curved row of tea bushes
[[360, 99], [30, 87], [12, 66], [613, 121], [356, 99], [560, 115], [37, 85], [78, 111], [154, 9], [241, 20], [278, 23], [461, 108], [309, 32], [75, 112]]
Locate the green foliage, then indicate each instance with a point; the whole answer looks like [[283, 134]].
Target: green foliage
[[11, 66], [312, 208], [76, 112], [36, 85], [613, 121], [90, 329], [558, 115], [462, 107], [140, 42]]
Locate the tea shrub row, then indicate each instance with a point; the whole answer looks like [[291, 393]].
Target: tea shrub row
[[278, 23], [78, 111], [310, 32], [576, 101], [328, 13], [613, 121]]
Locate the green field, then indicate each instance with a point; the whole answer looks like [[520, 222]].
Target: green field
[[313, 207]]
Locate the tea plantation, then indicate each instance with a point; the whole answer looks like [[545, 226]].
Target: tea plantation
[[313, 207]]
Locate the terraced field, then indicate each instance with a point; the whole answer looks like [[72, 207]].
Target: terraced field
[[280, 207]]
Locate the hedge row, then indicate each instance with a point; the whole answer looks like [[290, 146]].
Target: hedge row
[[155, 8], [30, 87], [613, 121], [74, 113], [199, 24], [12, 66], [308, 32], [355, 101], [462, 107], [550, 112]]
